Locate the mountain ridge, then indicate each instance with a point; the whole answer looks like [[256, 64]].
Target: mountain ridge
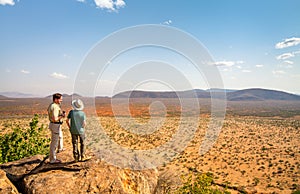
[[18, 95], [259, 94], [251, 94]]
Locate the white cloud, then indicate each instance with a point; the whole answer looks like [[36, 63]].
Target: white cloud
[[168, 22], [110, 5], [289, 62], [224, 63], [120, 3], [25, 71], [288, 43], [285, 56], [259, 66], [239, 67], [228, 63], [246, 71], [58, 76], [288, 55], [81, 1], [240, 62], [8, 2], [105, 4], [278, 72]]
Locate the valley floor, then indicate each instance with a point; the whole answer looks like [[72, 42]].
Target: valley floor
[[251, 153]]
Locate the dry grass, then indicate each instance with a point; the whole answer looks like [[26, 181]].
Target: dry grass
[[251, 153]]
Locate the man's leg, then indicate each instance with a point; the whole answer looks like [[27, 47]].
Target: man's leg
[[53, 146], [61, 140]]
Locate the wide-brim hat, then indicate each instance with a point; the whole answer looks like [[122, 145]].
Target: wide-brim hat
[[77, 104]]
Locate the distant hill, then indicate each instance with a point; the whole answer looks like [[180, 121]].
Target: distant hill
[[72, 95], [145, 94], [197, 93], [66, 96], [18, 95], [258, 94], [220, 90], [254, 94], [2, 97]]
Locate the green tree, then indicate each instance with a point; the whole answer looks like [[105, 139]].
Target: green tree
[[24, 142]]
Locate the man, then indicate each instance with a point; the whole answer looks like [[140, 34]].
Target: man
[[55, 117]]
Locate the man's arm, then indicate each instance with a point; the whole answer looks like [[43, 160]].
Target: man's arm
[[68, 123]]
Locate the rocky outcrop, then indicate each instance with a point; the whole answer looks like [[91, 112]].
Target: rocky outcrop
[[37, 175], [5, 185]]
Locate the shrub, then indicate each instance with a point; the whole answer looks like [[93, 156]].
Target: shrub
[[23, 143], [199, 184]]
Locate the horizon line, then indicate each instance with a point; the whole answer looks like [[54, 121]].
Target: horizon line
[[28, 95]]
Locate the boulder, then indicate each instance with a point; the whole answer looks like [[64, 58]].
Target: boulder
[[37, 175]]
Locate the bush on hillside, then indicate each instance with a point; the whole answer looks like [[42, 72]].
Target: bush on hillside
[[199, 184], [24, 142]]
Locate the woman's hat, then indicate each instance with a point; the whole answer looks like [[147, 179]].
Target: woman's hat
[[77, 104]]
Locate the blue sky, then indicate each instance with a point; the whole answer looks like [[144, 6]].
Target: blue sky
[[43, 43]]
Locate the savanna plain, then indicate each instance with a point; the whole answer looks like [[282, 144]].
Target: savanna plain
[[256, 151]]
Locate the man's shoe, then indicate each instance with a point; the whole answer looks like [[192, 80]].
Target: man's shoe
[[76, 159], [85, 158], [55, 162], [61, 150]]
